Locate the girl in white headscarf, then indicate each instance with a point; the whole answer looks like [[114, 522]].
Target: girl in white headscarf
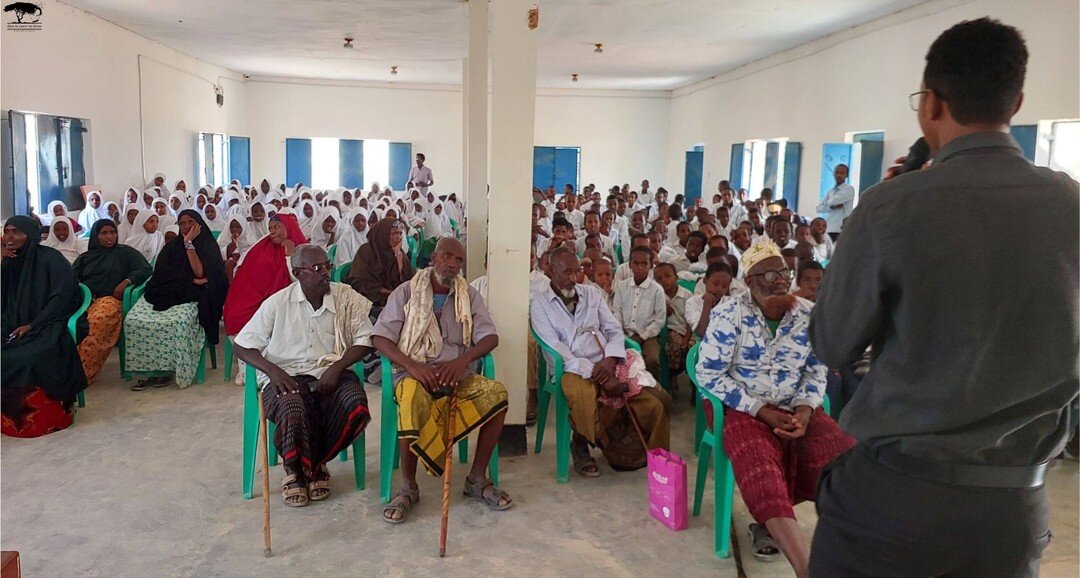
[[153, 181], [161, 209], [93, 212], [55, 209], [230, 199], [112, 211], [326, 229], [213, 217], [177, 203], [307, 213], [259, 225], [453, 208], [235, 239], [354, 232], [145, 237], [437, 223], [148, 197], [180, 188], [62, 238], [127, 220], [131, 196]]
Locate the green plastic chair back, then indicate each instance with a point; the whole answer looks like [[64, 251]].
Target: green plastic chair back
[[216, 234], [687, 284], [332, 252], [73, 322], [341, 273]]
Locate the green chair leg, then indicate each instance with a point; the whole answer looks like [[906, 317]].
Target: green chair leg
[[251, 427], [699, 423], [228, 358], [704, 459], [562, 438], [388, 442], [543, 401], [200, 371], [81, 398], [213, 354]]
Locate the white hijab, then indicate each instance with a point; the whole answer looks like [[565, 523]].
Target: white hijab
[[123, 231], [259, 228], [127, 201], [70, 248], [89, 215], [349, 239], [243, 241], [168, 219], [156, 175], [302, 219], [47, 218], [437, 224], [218, 222], [316, 235], [149, 244]]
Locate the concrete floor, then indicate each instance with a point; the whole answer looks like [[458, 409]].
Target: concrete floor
[[148, 484]]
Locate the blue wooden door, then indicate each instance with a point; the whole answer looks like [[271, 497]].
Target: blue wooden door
[[1026, 134], [544, 168], [695, 161], [297, 161], [351, 163], [240, 159], [401, 162], [566, 167], [792, 164], [738, 151]]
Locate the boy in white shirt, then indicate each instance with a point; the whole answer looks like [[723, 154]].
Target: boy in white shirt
[[641, 309], [679, 335]]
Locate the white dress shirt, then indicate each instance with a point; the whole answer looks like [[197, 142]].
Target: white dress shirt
[[677, 321], [842, 195], [576, 218], [640, 309], [582, 338], [419, 175], [292, 335]]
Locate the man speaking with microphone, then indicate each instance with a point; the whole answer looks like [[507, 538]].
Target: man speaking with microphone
[[963, 279]]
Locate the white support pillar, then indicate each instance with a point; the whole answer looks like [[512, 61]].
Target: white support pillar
[[474, 104], [513, 104]]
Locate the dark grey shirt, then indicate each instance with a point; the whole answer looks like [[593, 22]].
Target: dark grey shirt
[[964, 277]]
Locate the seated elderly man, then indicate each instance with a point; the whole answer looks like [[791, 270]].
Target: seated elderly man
[[598, 381], [304, 340], [756, 357], [435, 329]]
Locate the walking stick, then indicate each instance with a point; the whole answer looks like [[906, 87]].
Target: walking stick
[[265, 454], [452, 402]]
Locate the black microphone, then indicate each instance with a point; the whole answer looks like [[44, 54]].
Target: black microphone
[[917, 156]]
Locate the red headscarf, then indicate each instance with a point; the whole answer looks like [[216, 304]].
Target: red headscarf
[[264, 271]]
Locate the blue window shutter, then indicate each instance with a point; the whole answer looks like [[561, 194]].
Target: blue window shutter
[[695, 160], [792, 164], [351, 165], [240, 159], [297, 161], [1025, 134], [772, 164], [735, 172], [566, 167], [544, 168], [401, 162]]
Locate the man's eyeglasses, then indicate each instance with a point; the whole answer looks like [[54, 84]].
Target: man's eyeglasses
[[774, 276], [320, 268], [913, 99]]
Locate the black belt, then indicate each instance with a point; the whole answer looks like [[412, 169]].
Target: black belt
[[957, 474]]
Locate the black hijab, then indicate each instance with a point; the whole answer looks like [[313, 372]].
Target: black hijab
[[39, 289], [173, 281], [103, 268], [375, 266]]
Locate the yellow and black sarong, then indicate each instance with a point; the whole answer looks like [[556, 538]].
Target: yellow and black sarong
[[422, 419]]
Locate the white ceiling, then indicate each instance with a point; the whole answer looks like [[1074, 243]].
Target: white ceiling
[[648, 44]]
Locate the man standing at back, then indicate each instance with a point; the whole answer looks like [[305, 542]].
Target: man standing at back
[[838, 203], [420, 176], [974, 334]]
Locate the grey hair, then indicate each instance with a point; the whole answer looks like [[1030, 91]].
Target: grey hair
[[307, 255]]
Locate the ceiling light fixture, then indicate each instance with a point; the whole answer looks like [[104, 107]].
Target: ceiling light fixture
[[573, 78], [348, 43], [393, 70], [599, 48]]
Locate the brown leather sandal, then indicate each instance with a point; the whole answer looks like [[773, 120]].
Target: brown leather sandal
[[319, 489], [295, 496]]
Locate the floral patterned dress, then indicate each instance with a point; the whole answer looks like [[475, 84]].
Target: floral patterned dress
[[170, 340]]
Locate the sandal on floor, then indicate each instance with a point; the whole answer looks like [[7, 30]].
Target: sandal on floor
[[140, 385], [296, 496], [160, 381], [319, 489], [493, 500], [764, 547], [584, 464], [409, 496]]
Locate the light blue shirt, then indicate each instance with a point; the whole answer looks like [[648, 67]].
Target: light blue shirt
[[583, 338], [747, 368], [843, 195]]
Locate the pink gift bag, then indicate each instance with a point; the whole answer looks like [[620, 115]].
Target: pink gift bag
[[667, 488]]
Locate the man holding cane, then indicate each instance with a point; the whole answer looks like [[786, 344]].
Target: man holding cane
[[974, 334]]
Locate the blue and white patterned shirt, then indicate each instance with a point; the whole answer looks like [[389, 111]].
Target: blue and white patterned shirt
[[747, 368]]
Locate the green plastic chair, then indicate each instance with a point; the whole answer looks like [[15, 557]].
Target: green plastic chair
[[618, 254], [341, 273], [332, 252], [687, 284], [132, 296], [548, 388], [710, 448], [414, 249], [73, 321], [389, 448], [251, 428], [216, 234]]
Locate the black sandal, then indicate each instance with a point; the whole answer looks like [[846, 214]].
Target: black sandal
[[493, 500], [765, 548], [413, 497]]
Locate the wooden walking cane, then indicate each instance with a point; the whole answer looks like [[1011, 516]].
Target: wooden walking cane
[[452, 403], [265, 454]]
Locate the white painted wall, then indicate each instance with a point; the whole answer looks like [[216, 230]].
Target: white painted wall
[[622, 135], [817, 92], [81, 66]]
